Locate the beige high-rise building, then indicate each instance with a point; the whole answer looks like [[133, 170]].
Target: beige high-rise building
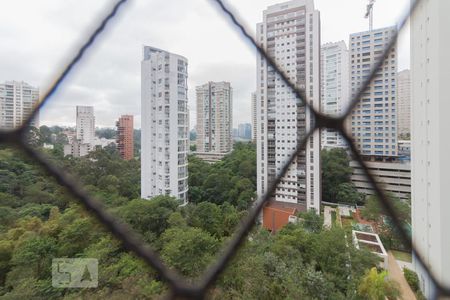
[[290, 33], [17, 101], [214, 117], [404, 103]]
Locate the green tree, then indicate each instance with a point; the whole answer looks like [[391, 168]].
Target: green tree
[[311, 221], [189, 250], [75, 237], [6, 251], [37, 253], [335, 171], [107, 133], [372, 209], [347, 193], [208, 217], [149, 217], [377, 286]]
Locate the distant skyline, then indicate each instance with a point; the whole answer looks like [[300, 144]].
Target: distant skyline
[[36, 43]]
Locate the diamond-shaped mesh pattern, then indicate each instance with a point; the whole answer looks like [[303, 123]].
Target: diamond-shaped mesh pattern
[[179, 287]]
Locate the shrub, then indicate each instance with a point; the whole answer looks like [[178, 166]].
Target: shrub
[[412, 279]]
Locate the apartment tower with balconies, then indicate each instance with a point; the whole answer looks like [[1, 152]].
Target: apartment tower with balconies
[[374, 119], [164, 124], [17, 101], [290, 33], [214, 117], [125, 137], [334, 89]]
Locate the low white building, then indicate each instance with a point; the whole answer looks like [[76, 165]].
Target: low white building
[[371, 242], [102, 142], [210, 157], [77, 149], [48, 146]]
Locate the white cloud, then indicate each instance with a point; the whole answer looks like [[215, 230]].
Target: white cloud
[[37, 41]]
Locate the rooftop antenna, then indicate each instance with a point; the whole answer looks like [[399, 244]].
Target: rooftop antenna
[[369, 13]]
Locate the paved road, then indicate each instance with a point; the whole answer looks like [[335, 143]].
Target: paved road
[[327, 216], [396, 274]]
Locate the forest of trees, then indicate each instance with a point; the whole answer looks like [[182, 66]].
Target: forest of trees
[[39, 221], [336, 172]]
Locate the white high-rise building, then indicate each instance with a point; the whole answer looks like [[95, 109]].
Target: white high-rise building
[[85, 133], [404, 103], [164, 124], [430, 160], [374, 119], [214, 117], [85, 125], [334, 88], [253, 112], [290, 33], [17, 101]]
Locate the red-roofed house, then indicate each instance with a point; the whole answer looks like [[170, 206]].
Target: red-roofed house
[[276, 214]]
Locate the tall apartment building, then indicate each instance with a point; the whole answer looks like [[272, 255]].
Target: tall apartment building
[[85, 124], [17, 100], [85, 133], [165, 124], [334, 88], [290, 33], [214, 117], [374, 119], [430, 160], [125, 137], [253, 112], [404, 103]]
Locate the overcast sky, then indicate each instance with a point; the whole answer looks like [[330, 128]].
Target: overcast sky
[[40, 36]]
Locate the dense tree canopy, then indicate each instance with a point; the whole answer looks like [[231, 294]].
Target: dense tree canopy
[[41, 221], [231, 180], [336, 173], [389, 233]]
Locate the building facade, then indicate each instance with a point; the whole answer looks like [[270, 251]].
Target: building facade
[[85, 124], [214, 117], [164, 124], [125, 137], [77, 149], [17, 101], [253, 112], [334, 88], [430, 160], [290, 33], [245, 131], [83, 140], [394, 177], [374, 119], [404, 103]]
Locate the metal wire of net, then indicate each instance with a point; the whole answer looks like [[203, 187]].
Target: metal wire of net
[[179, 287]]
